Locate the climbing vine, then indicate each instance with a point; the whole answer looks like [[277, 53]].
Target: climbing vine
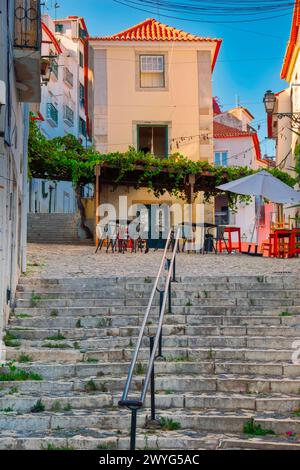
[[65, 158]]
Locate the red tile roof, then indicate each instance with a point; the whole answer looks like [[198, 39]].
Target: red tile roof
[[216, 106], [292, 41], [221, 131], [153, 30]]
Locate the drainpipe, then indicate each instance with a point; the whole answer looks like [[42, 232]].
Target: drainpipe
[[24, 190]]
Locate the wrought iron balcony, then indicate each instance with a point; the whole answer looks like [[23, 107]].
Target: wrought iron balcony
[[27, 22], [54, 67], [68, 115], [68, 76], [52, 114]]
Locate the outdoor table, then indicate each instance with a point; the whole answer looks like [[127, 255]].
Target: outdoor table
[[282, 235], [230, 230]]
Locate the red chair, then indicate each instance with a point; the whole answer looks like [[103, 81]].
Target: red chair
[[268, 245], [295, 241], [230, 245]]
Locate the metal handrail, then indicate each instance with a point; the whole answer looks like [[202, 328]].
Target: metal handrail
[[134, 405]]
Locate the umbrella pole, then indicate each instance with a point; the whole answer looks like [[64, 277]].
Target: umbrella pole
[[256, 226]]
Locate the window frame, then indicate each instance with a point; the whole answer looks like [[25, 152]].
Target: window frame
[[160, 87], [81, 59], [165, 126], [221, 153]]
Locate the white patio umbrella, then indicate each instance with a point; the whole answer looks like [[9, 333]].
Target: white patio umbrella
[[265, 185]]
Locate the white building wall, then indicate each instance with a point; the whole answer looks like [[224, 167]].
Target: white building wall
[[241, 153], [59, 93], [14, 119]]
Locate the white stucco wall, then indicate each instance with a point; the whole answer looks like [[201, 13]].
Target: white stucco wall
[[14, 119], [59, 93]]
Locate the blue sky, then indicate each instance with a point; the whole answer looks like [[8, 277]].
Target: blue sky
[[249, 62]]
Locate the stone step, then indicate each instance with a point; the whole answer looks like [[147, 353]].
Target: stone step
[[194, 383], [138, 310], [117, 321], [209, 421], [56, 403], [176, 302], [116, 292], [145, 284], [175, 365], [168, 330], [173, 341], [177, 440], [116, 354]]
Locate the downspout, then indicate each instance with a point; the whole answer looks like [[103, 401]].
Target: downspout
[[24, 190]]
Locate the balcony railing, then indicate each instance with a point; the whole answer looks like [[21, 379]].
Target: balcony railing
[[52, 114], [68, 115], [68, 76], [54, 67], [27, 24], [82, 127]]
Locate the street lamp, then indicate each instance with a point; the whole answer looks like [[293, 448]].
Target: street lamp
[[270, 101]]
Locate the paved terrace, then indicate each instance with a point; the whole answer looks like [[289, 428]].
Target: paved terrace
[[60, 261]]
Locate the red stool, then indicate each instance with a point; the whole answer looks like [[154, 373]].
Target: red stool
[[230, 244]]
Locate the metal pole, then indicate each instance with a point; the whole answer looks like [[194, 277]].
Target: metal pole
[[174, 269], [161, 298], [152, 382], [169, 289], [133, 428]]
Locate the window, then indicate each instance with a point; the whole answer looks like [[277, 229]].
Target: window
[[54, 67], [68, 115], [81, 94], [153, 139], [80, 59], [152, 71], [82, 33], [51, 114], [68, 77], [82, 127], [59, 28], [221, 158]]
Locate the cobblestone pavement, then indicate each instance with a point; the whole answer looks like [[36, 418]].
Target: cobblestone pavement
[[50, 261]]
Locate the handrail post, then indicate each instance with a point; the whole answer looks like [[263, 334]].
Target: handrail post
[[133, 428], [161, 298], [170, 288], [174, 269], [152, 382]]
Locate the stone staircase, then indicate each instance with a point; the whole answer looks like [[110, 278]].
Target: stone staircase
[[55, 228], [227, 381]]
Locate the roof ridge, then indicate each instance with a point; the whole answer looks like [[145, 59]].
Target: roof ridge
[[152, 29], [240, 132], [131, 28]]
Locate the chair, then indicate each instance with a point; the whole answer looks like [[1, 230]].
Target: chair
[[122, 238], [268, 245], [101, 234], [295, 241]]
